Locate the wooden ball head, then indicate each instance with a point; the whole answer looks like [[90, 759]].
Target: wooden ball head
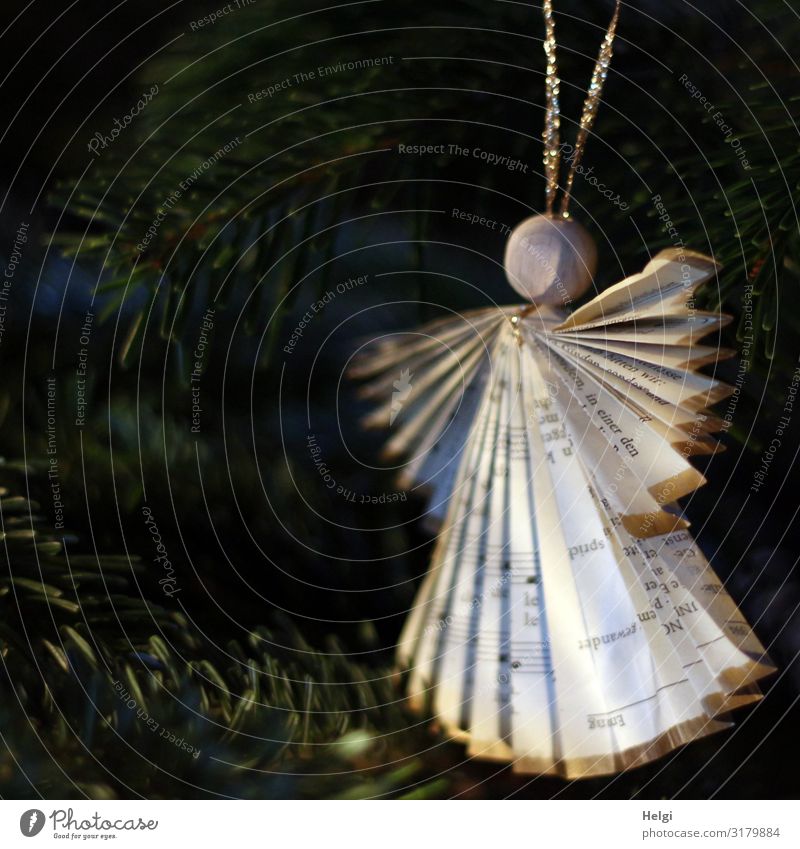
[[550, 260]]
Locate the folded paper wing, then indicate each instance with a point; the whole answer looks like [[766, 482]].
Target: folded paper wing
[[568, 624]]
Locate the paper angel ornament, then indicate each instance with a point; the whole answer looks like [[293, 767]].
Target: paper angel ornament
[[569, 624]]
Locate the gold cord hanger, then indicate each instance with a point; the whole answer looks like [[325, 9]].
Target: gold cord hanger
[[552, 120], [550, 135]]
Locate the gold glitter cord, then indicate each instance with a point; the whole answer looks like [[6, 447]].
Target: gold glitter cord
[[590, 106], [552, 121]]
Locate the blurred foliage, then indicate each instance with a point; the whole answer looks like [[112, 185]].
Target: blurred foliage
[[274, 661], [312, 148], [108, 694]]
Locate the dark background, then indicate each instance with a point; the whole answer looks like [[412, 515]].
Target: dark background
[[256, 541]]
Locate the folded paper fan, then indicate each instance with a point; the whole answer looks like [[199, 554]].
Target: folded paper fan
[[568, 624]]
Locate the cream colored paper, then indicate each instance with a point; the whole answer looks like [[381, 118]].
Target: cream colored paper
[[569, 624]]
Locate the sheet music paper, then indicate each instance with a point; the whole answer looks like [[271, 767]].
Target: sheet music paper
[[569, 624]]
